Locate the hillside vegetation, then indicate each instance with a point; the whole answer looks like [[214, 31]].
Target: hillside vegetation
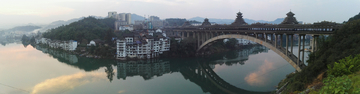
[[88, 28], [343, 43]]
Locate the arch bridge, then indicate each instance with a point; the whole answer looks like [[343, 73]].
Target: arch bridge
[[269, 35]]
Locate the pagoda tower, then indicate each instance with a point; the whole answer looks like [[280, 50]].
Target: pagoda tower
[[239, 20], [187, 23], [206, 22], [290, 19]]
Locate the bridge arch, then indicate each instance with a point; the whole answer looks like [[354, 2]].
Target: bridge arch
[[292, 62]]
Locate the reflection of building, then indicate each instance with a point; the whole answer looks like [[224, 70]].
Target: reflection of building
[[61, 56], [146, 69]]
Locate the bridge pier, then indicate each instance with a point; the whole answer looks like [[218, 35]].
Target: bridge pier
[[188, 35], [266, 37], [276, 37], [291, 43], [299, 45], [182, 35], [198, 39], [287, 46], [281, 37], [303, 49]]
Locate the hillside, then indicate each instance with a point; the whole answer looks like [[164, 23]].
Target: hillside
[[59, 23], [343, 43], [88, 28]]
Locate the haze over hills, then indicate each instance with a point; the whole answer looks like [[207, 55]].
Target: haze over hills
[[135, 17], [27, 28]]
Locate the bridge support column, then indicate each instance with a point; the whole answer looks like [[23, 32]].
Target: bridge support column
[[202, 38], [303, 49], [291, 43], [281, 37], [207, 36], [287, 46], [316, 44], [182, 35], [198, 39], [265, 37], [299, 45], [276, 36], [188, 35], [256, 35]]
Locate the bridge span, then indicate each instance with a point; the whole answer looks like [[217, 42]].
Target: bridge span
[[269, 35]]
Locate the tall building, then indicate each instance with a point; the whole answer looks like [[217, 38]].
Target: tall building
[[128, 18], [152, 18], [112, 14], [125, 17]]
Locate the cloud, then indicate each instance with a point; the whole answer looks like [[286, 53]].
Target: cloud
[[256, 78], [64, 83]]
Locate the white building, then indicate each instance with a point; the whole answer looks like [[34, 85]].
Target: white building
[[128, 27], [141, 47], [112, 14], [70, 45], [92, 43]]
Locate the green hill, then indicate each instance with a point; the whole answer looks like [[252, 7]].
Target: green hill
[[88, 28]]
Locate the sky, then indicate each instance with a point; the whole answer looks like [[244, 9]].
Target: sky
[[22, 12]]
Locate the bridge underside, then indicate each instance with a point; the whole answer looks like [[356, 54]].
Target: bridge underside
[[289, 57]]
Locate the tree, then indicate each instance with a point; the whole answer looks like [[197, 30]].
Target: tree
[[108, 36], [231, 43]]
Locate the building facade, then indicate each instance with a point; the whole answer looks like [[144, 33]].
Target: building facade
[[69, 45], [141, 46]]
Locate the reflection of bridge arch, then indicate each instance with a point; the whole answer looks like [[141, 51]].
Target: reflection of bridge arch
[[291, 58], [209, 81]]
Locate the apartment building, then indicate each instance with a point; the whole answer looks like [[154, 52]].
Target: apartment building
[[141, 45]]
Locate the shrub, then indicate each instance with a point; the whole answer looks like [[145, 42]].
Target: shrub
[[336, 85], [345, 66]]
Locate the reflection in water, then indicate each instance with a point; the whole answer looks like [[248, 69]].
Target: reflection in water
[[62, 84], [109, 72], [256, 78], [204, 76], [239, 57], [60, 55], [148, 69]]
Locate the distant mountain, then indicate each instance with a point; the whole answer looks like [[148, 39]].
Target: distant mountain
[[135, 17], [229, 21], [27, 28], [59, 23]]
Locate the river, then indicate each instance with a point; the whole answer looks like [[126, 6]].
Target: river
[[39, 70]]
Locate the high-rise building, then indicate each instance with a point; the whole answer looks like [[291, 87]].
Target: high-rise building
[[128, 18], [152, 18], [125, 17], [112, 14]]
